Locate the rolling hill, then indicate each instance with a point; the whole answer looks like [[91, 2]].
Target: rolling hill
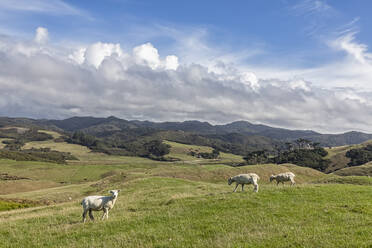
[[186, 203], [102, 127]]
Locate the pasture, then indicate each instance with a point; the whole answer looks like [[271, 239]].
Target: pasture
[[179, 204]]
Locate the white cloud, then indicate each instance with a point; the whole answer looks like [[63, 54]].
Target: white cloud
[[311, 7], [78, 56], [50, 6], [97, 52], [356, 50], [102, 79], [41, 35], [171, 62], [147, 54]]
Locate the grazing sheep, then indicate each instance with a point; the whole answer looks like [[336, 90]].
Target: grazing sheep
[[250, 178], [283, 177], [98, 203]]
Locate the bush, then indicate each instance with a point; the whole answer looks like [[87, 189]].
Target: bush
[[312, 158], [360, 156], [42, 154], [257, 157]]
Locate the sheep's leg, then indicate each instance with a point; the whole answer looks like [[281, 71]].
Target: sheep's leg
[[277, 183], [91, 215], [105, 212], [236, 187], [293, 182], [84, 215], [255, 189], [243, 187], [107, 215]]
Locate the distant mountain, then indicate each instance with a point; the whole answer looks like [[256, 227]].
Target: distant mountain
[[348, 138], [239, 133]]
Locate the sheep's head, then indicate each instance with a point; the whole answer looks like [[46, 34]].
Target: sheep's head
[[114, 192], [230, 181], [272, 177]]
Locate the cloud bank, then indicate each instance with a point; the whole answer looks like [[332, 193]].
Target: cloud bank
[[43, 80]]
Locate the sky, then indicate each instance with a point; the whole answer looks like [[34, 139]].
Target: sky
[[298, 64]]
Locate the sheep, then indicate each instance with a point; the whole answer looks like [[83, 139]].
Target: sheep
[[250, 178], [98, 203], [283, 177]]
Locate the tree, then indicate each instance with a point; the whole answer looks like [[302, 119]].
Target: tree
[[256, 157], [157, 148]]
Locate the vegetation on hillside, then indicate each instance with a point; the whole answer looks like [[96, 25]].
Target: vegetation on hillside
[[42, 154], [359, 156], [312, 158], [18, 137], [302, 152], [154, 149]]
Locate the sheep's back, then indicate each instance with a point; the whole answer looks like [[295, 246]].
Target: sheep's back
[[93, 202], [287, 176], [246, 178]]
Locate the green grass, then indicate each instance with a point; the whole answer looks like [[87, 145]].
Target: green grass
[[182, 204], [169, 212], [6, 205]]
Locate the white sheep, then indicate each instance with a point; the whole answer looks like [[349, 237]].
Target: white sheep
[[283, 177], [250, 178], [98, 203]]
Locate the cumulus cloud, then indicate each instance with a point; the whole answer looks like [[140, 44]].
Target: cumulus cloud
[[97, 52], [41, 35], [102, 79], [147, 54], [171, 62]]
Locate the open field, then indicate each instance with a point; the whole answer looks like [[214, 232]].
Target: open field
[[182, 204], [172, 212]]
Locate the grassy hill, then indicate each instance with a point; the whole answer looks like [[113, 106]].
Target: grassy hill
[[159, 211], [186, 203], [339, 161]]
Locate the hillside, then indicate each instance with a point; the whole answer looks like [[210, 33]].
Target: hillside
[[239, 137], [176, 204]]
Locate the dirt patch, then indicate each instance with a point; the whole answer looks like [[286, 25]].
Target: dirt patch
[[6, 176]]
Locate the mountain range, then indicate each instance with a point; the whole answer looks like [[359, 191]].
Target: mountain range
[[235, 132]]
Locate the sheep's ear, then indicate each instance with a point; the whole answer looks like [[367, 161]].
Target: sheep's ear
[[118, 190], [111, 192]]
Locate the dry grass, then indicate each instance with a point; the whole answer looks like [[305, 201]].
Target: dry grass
[[361, 170], [2, 145], [55, 135], [181, 151]]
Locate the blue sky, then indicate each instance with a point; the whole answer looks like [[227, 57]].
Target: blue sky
[[300, 56], [280, 27]]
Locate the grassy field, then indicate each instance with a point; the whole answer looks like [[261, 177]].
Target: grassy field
[[182, 204], [172, 212]]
